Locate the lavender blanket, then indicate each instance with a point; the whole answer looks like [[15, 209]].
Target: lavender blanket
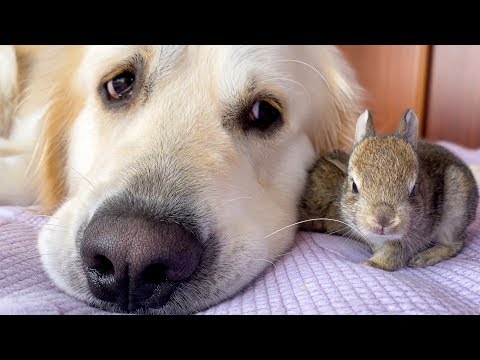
[[321, 275]]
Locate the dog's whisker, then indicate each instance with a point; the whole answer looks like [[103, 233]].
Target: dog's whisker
[[304, 221], [295, 82], [268, 261], [239, 198], [93, 186], [311, 67], [280, 254]]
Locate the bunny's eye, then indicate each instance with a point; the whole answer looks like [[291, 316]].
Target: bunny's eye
[[414, 191], [354, 187]]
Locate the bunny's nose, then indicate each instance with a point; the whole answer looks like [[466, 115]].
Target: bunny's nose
[[383, 220]]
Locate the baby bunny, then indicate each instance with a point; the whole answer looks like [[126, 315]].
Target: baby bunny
[[410, 200]]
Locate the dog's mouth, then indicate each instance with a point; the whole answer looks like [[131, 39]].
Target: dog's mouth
[[168, 298]]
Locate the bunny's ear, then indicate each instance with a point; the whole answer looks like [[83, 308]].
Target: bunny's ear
[[409, 128], [364, 127]]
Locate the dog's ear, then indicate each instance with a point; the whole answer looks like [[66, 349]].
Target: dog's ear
[[333, 127], [50, 155]]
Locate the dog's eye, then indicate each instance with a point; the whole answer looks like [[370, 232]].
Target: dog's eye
[[354, 187], [263, 114], [120, 86]]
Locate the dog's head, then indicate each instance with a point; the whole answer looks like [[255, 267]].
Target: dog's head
[[176, 167]]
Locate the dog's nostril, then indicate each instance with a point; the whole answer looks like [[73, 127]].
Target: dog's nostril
[[102, 266], [155, 274]]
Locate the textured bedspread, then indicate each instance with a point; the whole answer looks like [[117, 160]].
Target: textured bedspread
[[321, 275]]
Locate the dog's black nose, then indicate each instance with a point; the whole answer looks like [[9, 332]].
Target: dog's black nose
[[136, 262]]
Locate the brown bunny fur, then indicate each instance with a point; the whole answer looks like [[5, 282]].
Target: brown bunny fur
[[412, 201]]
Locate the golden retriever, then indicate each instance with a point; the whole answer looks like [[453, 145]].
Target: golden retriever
[[169, 170]]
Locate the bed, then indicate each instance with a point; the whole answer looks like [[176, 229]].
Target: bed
[[321, 274]]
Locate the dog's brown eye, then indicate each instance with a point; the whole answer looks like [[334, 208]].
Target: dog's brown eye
[[262, 115], [120, 86]]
